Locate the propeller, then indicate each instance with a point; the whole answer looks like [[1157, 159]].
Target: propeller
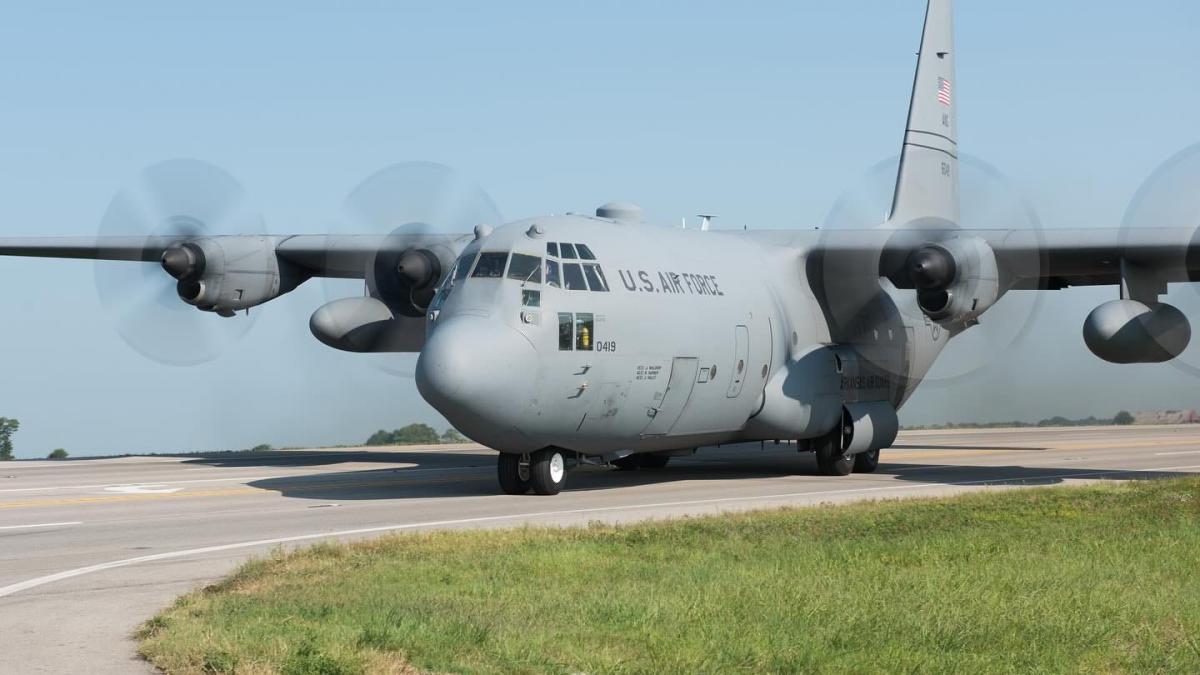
[[988, 201], [177, 197], [1170, 198], [403, 200]]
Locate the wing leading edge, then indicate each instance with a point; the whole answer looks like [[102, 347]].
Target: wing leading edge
[[316, 255]]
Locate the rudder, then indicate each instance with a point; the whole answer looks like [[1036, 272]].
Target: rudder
[[927, 183]]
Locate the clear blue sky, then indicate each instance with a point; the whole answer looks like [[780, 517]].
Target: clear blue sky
[[762, 115]]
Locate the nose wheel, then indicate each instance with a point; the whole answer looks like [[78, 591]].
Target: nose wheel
[[544, 472]]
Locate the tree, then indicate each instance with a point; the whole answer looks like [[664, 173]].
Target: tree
[[380, 437], [58, 453], [413, 434], [8, 427], [452, 436], [1123, 418]]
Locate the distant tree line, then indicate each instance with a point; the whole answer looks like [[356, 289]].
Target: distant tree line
[[415, 434], [1122, 418]]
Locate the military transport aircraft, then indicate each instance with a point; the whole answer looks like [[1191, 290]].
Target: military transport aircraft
[[605, 340]]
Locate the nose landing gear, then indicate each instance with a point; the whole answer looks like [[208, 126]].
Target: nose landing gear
[[544, 472]]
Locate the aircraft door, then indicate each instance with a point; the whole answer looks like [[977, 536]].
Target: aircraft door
[[741, 361], [669, 404]]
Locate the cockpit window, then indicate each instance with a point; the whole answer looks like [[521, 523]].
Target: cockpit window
[[585, 253], [525, 268], [595, 277], [490, 265], [574, 277], [552, 276], [552, 248], [464, 267], [568, 251]]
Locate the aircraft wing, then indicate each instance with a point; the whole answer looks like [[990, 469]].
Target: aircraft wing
[[1026, 259], [316, 255], [1088, 257]]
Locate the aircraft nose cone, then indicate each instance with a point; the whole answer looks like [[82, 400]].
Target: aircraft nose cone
[[480, 375]]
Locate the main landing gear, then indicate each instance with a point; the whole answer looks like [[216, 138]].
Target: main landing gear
[[544, 472], [832, 460]]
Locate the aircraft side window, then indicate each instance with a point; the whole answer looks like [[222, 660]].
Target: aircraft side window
[[525, 268], [552, 248], [585, 253], [567, 251], [464, 267], [595, 278], [566, 331], [574, 277], [552, 276], [584, 327], [490, 265], [531, 298]]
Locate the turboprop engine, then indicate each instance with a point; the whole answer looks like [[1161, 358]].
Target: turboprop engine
[[402, 279], [227, 274], [956, 279], [1128, 331]]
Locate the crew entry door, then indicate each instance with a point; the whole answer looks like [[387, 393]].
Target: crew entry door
[[668, 405], [741, 361]]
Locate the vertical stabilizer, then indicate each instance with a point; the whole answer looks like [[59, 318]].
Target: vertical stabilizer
[[927, 184]]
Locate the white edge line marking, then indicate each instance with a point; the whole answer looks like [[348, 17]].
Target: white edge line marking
[[30, 527], [11, 589], [1180, 452]]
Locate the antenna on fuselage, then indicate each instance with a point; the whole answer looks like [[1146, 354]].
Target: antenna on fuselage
[[705, 221]]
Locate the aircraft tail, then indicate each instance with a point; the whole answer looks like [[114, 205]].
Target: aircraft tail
[[927, 184]]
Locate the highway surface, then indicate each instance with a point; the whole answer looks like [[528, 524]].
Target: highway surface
[[90, 548]]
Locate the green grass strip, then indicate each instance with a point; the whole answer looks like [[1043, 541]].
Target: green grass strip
[[1103, 578]]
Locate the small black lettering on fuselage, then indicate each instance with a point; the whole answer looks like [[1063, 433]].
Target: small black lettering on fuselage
[[674, 283], [866, 382]]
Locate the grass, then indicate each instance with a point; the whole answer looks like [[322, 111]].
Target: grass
[[1093, 579]]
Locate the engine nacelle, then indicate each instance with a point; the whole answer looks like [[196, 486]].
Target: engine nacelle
[[956, 279], [366, 325], [1128, 331], [227, 274]]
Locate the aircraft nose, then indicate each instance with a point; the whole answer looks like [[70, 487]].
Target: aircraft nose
[[480, 375]]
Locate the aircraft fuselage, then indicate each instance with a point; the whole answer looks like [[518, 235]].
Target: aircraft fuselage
[[602, 336]]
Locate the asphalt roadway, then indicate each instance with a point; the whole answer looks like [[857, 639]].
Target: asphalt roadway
[[91, 548]]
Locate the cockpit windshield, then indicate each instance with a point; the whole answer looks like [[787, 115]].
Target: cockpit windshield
[[525, 268], [490, 265]]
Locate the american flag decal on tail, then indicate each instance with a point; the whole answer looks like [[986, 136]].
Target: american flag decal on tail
[[944, 91]]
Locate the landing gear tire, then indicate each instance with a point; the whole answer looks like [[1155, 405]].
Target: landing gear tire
[[514, 473], [866, 462], [831, 459], [548, 471]]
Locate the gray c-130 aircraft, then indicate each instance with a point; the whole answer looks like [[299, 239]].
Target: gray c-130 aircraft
[[609, 341]]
